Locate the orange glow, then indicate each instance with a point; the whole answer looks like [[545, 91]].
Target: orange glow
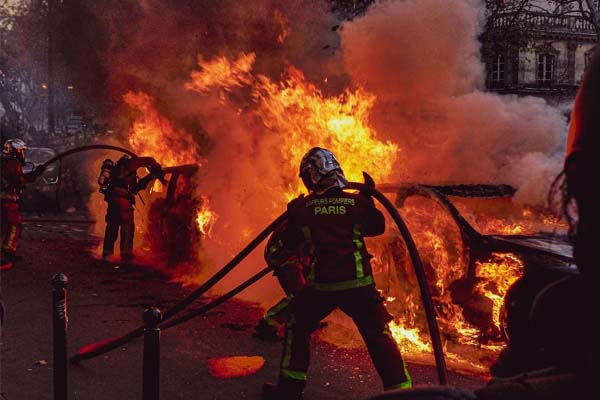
[[235, 367], [205, 217], [284, 24], [222, 73]]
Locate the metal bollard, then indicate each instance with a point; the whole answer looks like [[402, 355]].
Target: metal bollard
[[151, 372], [59, 328]]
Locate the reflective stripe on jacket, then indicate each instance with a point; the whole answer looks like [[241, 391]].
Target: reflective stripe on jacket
[[333, 227]]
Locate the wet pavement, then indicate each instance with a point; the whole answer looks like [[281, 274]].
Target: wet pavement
[[105, 301]]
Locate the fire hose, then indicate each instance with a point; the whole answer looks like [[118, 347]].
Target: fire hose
[[434, 331], [86, 148], [102, 346], [105, 345]]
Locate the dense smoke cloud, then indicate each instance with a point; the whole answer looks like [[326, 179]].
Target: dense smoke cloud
[[421, 59]]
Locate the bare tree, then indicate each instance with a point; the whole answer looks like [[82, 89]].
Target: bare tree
[[506, 17], [18, 82]]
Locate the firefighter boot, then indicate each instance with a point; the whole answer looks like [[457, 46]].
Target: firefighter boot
[[8, 260], [127, 259], [106, 255], [286, 389]]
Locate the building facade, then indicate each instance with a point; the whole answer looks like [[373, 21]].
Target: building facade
[[540, 50]]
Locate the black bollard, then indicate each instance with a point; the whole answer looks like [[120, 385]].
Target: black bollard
[[151, 372], [59, 327]]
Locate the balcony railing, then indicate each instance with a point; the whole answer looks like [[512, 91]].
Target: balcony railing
[[542, 21]]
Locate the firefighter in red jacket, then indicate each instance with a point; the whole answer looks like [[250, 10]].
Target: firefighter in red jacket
[[120, 184], [332, 225], [13, 183]]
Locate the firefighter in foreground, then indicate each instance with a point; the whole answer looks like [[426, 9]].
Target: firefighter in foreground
[[120, 184], [331, 224], [13, 183]]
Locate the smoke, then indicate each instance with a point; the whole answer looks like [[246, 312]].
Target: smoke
[[421, 59]]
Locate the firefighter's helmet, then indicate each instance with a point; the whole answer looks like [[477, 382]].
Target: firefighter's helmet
[[320, 171], [124, 158], [14, 148], [107, 164]]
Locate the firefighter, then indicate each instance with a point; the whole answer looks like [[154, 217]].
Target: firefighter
[[289, 268], [332, 225], [13, 183], [120, 184]]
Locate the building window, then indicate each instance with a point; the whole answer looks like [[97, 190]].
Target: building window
[[498, 69], [545, 70], [588, 57]]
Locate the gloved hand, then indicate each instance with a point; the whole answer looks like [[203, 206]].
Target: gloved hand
[[368, 180], [36, 173], [157, 171]]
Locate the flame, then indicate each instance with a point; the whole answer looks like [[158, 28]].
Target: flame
[[284, 24], [438, 239], [303, 118], [222, 73], [497, 275], [205, 217], [157, 187], [514, 221], [152, 134], [306, 118], [409, 339]]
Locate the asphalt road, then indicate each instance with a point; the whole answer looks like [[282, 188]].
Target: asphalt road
[[104, 301]]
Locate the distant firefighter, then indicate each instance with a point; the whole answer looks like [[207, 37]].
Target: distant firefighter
[[120, 184], [13, 183]]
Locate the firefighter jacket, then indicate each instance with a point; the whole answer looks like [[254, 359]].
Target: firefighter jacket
[[333, 226], [13, 179], [124, 181]]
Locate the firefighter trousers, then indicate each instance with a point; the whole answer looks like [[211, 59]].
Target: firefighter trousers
[[11, 226], [119, 216], [365, 306], [291, 278], [279, 313]]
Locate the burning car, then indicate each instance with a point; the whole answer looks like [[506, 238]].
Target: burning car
[[44, 191], [471, 257]]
